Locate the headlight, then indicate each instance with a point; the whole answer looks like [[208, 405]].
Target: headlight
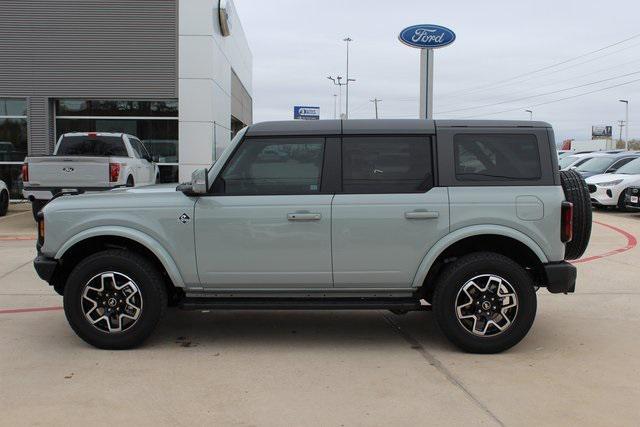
[[609, 183]]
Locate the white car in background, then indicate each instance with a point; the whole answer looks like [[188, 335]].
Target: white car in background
[[575, 160], [4, 198], [608, 189], [88, 161]]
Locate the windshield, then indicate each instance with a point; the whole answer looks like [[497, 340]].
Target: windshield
[[86, 145], [232, 144], [631, 168], [596, 164], [567, 160]]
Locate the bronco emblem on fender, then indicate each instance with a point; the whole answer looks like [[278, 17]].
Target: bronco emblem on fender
[[184, 218]]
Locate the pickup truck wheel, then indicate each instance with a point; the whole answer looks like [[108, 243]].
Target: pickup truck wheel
[[4, 202], [114, 299], [36, 207], [484, 302], [577, 192]]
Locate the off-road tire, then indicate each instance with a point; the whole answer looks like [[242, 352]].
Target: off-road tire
[[36, 207], [457, 274], [146, 277], [4, 202], [577, 192]]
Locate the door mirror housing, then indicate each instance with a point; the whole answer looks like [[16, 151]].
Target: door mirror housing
[[200, 181]]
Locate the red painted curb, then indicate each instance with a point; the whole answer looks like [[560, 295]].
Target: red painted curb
[[632, 242], [29, 310]]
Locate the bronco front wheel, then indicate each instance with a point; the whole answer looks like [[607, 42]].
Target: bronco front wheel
[[114, 299], [484, 302]]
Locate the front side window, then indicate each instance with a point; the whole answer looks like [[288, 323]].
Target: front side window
[[386, 164], [496, 157], [274, 166]]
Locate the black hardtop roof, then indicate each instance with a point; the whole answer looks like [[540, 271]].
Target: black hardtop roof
[[373, 126]]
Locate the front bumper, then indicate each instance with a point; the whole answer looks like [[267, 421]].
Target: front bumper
[[602, 196], [561, 277], [45, 267]]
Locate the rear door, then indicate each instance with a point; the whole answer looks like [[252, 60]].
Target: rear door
[[389, 212]]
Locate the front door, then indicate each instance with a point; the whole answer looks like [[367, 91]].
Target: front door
[[389, 214], [268, 222]]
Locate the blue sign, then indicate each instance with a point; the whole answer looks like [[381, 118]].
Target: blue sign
[[427, 36], [306, 113]]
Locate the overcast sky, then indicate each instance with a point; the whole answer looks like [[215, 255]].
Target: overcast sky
[[296, 44]]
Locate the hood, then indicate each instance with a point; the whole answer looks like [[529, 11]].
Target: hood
[[586, 175], [121, 198], [607, 177]]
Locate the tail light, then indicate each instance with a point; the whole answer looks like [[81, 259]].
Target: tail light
[[25, 172], [114, 172], [566, 228]]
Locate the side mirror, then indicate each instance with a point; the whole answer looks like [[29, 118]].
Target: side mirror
[[200, 181], [155, 158]]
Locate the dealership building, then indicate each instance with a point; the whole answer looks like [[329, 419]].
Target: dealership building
[[175, 73]]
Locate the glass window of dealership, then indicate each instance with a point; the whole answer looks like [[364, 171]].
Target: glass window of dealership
[[154, 122], [13, 142]]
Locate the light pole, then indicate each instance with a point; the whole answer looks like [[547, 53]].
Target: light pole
[[338, 82], [626, 129], [530, 114], [348, 40], [375, 102], [335, 106]]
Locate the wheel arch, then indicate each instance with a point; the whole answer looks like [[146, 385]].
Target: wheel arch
[[506, 241], [102, 237]]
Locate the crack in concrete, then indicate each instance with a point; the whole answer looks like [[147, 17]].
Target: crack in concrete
[[433, 361]]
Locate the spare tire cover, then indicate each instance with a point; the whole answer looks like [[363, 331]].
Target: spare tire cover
[[577, 192]]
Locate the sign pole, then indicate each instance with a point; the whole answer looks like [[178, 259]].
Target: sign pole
[[426, 84]]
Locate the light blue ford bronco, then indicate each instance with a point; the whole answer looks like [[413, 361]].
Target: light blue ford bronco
[[465, 218]]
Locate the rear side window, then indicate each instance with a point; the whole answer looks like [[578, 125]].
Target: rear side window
[[497, 157], [98, 146], [274, 166], [388, 164]]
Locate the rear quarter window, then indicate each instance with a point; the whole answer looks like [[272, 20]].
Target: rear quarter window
[[496, 157]]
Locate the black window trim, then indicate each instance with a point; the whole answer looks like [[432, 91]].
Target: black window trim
[[428, 139], [323, 171]]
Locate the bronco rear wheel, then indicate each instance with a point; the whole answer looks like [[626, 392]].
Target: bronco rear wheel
[[114, 299], [577, 192], [484, 302]]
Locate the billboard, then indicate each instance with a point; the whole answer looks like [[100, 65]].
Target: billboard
[[301, 112], [601, 132]]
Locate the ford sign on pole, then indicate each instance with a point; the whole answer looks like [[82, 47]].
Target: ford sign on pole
[[426, 37], [306, 113]]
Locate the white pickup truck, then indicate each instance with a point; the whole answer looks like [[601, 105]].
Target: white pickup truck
[[87, 161]]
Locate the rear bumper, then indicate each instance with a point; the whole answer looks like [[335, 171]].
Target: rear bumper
[[561, 277], [45, 267]]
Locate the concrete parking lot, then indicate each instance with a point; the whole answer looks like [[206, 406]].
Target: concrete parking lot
[[579, 365]]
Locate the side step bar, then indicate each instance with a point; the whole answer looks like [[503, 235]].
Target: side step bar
[[400, 304]]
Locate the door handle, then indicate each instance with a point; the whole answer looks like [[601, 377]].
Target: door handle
[[304, 216], [421, 215]]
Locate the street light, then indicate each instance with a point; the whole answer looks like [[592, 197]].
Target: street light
[[530, 114], [348, 40], [338, 82], [626, 129]]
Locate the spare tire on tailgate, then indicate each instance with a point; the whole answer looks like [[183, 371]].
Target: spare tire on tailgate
[[577, 192]]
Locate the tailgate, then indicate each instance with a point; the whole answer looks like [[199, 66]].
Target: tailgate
[[69, 172]]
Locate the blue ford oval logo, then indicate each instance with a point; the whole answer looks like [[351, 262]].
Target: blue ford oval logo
[[427, 36]]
